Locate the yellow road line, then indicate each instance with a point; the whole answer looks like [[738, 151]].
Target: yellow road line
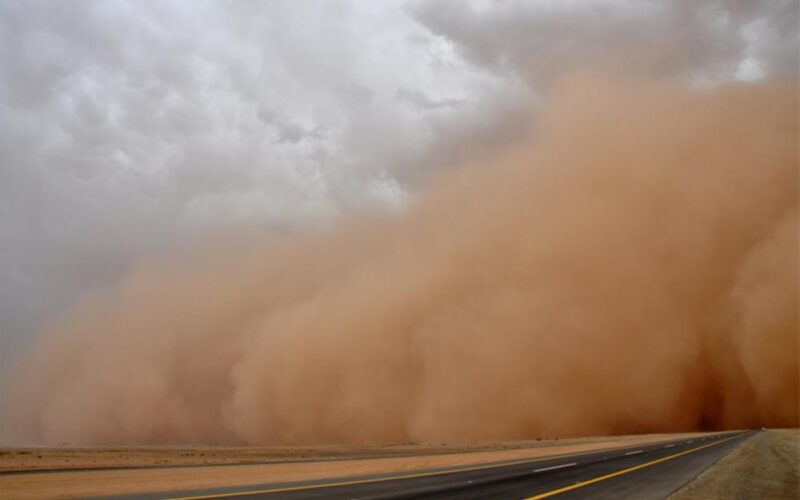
[[380, 479], [377, 479], [575, 486]]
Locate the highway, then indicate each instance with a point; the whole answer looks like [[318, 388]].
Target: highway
[[650, 471]]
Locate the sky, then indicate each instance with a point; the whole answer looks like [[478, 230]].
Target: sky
[[129, 129]]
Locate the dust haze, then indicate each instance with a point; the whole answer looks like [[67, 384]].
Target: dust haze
[[631, 267]]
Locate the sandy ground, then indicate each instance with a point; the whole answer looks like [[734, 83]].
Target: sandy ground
[[765, 466], [38, 458], [42, 458], [76, 483]]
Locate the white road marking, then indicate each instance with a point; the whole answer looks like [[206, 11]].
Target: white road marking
[[669, 446], [555, 467], [634, 452]]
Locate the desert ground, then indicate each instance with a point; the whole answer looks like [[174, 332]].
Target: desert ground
[[82, 457], [765, 466], [70, 472]]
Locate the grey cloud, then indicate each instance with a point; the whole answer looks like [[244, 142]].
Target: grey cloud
[[421, 101], [684, 38], [127, 128]]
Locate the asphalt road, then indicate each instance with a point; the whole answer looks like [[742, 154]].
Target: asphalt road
[[651, 471]]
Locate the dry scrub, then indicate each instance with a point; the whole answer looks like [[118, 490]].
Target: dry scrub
[[766, 466]]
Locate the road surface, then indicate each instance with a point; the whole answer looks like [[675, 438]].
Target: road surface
[[651, 471]]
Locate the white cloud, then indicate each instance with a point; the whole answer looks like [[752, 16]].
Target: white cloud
[[126, 127]]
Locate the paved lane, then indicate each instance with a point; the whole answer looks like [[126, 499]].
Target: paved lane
[[641, 472]]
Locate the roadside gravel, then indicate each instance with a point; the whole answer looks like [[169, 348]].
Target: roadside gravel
[[766, 466]]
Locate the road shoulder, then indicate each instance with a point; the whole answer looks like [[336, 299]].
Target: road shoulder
[[766, 466]]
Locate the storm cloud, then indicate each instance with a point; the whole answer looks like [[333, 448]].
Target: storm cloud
[[131, 131]]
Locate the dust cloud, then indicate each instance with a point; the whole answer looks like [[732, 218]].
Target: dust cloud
[[633, 267]]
